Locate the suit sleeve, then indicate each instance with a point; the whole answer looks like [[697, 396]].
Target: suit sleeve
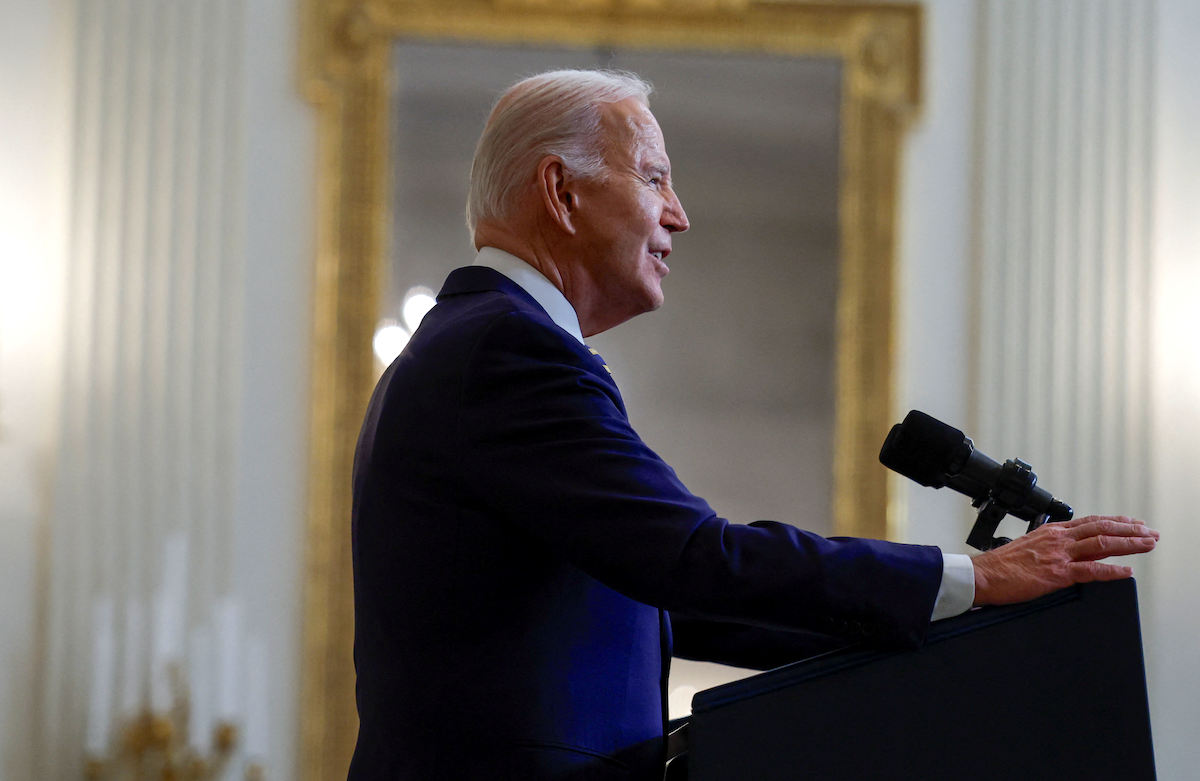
[[752, 647], [545, 441]]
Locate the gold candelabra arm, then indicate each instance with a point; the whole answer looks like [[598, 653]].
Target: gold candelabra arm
[[225, 737], [154, 747]]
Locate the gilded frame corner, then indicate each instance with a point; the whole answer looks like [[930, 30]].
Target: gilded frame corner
[[344, 68]]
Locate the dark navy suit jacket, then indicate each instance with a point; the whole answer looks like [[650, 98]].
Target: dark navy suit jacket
[[524, 566]]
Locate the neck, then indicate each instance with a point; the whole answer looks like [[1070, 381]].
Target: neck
[[541, 255], [492, 234]]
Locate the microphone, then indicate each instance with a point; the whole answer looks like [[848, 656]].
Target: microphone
[[935, 454]]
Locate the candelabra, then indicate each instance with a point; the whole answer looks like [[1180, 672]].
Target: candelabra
[[156, 747]]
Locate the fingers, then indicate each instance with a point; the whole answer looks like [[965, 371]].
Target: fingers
[[1113, 526], [1098, 537], [1090, 571], [1058, 554], [1091, 518], [1103, 546]]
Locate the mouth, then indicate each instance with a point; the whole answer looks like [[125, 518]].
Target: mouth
[[659, 256]]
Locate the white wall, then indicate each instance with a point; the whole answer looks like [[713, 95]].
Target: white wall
[[275, 199], [34, 70], [938, 360], [1172, 625]]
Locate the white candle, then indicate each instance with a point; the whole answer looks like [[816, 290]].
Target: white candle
[[99, 721], [133, 678], [170, 617], [227, 616], [161, 656], [257, 665], [174, 582], [200, 719]]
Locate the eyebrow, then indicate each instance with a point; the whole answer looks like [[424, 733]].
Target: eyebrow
[[658, 168]]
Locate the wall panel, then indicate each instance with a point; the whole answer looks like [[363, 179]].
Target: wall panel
[[153, 346], [1063, 245]]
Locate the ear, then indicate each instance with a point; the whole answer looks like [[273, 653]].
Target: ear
[[559, 194]]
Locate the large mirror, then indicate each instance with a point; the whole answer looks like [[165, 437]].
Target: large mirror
[[765, 379]]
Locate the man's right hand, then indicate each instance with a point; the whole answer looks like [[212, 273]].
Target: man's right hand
[[1057, 555]]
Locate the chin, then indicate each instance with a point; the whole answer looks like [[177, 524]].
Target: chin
[[654, 299], [652, 294]]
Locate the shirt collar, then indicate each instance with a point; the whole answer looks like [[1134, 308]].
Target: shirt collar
[[535, 284]]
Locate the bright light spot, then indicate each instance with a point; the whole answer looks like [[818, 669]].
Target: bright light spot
[[679, 703], [417, 303], [389, 340]]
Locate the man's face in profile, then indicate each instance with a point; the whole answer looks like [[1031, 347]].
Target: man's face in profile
[[626, 219]]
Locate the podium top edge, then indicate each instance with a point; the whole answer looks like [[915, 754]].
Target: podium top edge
[[853, 656]]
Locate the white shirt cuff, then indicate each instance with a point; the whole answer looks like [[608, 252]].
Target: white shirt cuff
[[956, 595]]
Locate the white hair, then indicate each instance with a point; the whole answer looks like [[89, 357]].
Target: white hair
[[554, 113]]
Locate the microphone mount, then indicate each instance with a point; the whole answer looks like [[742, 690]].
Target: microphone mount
[[1011, 492]]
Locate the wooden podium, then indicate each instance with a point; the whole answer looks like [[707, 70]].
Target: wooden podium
[[1050, 689]]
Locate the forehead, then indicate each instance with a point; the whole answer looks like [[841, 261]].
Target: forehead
[[630, 129]]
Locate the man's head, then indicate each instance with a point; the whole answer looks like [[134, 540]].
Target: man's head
[[572, 175], [554, 113]]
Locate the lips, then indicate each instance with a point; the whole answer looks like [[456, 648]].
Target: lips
[[659, 255]]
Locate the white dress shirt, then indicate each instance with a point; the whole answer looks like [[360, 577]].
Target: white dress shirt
[[956, 593]]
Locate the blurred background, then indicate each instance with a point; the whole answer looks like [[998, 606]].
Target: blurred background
[[157, 204]]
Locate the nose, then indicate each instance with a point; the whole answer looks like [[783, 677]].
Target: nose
[[674, 219]]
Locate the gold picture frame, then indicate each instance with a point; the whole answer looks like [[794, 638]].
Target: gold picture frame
[[345, 68]]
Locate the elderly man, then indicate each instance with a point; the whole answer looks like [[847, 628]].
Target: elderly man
[[524, 566]]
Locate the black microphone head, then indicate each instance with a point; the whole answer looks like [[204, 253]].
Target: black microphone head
[[923, 448]]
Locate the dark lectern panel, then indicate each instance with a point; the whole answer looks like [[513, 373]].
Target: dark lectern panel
[[1053, 689]]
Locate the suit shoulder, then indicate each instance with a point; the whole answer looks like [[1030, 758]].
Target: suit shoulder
[[499, 315]]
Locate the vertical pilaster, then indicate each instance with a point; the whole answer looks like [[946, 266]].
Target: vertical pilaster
[[149, 417], [1063, 245]]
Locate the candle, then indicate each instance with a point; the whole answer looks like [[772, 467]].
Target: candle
[[103, 655], [133, 678], [161, 695], [170, 616], [257, 665], [174, 582], [227, 616], [200, 723]]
